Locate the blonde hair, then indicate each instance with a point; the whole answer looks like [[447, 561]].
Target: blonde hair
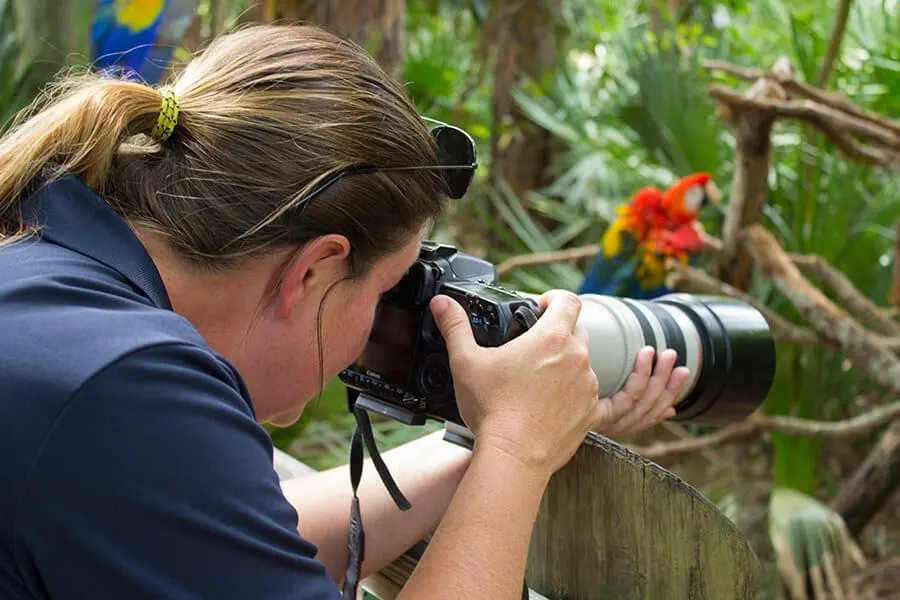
[[266, 113]]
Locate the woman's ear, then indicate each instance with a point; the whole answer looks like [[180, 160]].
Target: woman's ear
[[311, 271]]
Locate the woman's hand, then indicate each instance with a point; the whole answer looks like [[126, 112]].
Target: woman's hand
[[530, 403], [645, 400], [536, 397]]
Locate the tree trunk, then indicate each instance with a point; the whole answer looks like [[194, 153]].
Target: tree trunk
[[527, 42], [873, 483], [377, 25], [749, 193]]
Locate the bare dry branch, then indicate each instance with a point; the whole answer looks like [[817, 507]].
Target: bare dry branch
[[879, 317], [824, 317], [858, 152], [831, 99], [863, 494], [542, 258], [745, 73], [854, 300], [829, 120], [846, 428], [712, 246], [697, 281], [726, 435], [749, 185]]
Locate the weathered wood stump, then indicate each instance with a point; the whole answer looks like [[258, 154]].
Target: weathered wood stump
[[615, 526]]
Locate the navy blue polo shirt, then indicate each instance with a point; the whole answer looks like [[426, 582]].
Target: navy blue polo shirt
[[131, 464]]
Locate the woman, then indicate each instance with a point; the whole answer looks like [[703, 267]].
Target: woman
[[168, 282]]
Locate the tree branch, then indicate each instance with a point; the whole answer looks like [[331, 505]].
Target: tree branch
[[835, 430], [542, 258], [828, 320], [878, 317], [697, 281], [830, 99], [751, 130], [694, 280], [726, 435], [858, 152], [833, 123], [846, 428], [863, 494], [854, 300]]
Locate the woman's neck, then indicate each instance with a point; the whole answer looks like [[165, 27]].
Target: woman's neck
[[220, 305]]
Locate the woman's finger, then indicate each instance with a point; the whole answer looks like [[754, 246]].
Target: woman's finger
[[647, 402], [664, 408], [622, 402], [625, 400]]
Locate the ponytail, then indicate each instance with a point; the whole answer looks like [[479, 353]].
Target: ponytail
[[77, 124], [263, 114]]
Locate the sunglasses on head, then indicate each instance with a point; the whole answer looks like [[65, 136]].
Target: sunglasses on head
[[456, 155]]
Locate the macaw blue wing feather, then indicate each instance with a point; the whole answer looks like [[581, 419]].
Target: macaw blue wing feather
[[137, 38], [608, 275], [617, 276]]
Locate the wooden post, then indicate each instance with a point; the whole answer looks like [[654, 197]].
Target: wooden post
[[616, 526]]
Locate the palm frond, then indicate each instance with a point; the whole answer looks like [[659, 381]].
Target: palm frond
[[815, 552]]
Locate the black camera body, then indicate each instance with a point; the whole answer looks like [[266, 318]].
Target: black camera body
[[404, 371]]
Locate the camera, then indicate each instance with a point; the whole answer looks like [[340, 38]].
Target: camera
[[404, 370]]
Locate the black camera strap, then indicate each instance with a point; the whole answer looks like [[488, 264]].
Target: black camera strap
[[356, 538]]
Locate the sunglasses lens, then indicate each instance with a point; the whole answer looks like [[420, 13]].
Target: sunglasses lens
[[456, 148]]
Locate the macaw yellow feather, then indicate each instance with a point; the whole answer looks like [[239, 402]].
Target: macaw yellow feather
[[612, 237], [138, 15], [651, 270]]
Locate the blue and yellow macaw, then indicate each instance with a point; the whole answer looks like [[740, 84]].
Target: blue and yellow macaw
[[651, 228], [136, 38]]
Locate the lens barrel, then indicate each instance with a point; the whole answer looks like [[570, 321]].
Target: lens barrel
[[726, 344]]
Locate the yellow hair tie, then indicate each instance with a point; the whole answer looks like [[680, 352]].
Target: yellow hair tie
[[167, 117]]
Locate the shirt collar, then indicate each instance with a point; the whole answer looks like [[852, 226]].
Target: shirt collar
[[69, 214]]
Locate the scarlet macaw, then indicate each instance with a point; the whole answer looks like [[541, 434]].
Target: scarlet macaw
[[138, 37], [652, 227]]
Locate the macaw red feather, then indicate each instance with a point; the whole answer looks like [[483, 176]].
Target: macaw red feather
[[673, 205], [636, 219], [661, 225], [684, 239]]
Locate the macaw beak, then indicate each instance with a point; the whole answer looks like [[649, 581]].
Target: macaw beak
[[712, 193]]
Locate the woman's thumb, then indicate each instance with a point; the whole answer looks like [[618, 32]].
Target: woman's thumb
[[453, 323]]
